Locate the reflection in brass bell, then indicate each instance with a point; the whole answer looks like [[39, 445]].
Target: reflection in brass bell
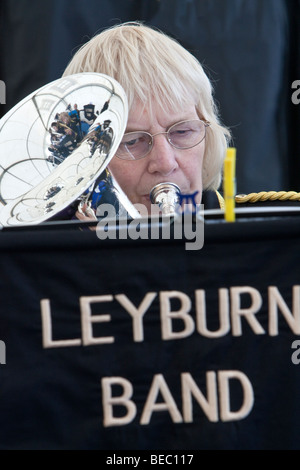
[[55, 144], [167, 196]]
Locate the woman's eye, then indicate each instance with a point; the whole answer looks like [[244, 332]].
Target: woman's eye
[[179, 132], [130, 143]]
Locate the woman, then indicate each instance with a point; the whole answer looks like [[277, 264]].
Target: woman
[[169, 97]]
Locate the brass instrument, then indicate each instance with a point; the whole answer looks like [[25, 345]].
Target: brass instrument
[[54, 145]]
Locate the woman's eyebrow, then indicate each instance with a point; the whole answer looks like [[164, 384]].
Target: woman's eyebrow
[[136, 128]]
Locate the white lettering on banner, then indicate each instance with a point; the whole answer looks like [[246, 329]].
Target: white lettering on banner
[[137, 314], [183, 314], [248, 313], [231, 315], [87, 319], [276, 302], [217, 385], [47, 330]]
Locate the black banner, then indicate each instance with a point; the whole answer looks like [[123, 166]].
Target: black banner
[[121, 344]]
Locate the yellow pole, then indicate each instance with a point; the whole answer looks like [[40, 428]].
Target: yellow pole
[[229, 185]]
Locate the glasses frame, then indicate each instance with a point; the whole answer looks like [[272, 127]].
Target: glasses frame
[[206, 125]]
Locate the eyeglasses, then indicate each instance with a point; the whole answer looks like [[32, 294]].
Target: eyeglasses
[[182, 135]]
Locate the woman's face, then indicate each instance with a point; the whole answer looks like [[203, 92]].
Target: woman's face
[[163, 163]]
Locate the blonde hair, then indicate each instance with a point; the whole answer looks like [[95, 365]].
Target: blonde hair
[[150, 65]]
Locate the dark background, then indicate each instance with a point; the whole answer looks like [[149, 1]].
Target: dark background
[[249, 48]]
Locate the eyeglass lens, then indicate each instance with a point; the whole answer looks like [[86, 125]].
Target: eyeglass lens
[[182, 135]]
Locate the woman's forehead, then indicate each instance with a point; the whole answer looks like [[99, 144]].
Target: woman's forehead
[[158, 112]]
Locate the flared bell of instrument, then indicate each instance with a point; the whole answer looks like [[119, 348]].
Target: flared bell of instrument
[[55, 143]]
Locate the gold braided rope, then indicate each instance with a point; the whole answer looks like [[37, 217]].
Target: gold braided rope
[[268, 196]]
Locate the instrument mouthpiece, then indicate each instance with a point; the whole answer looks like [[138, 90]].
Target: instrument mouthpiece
[[166, 196]]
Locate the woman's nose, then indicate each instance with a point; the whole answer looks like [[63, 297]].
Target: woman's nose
[[162, 158]]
